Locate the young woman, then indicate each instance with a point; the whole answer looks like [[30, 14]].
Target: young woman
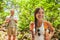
[[41, 29]]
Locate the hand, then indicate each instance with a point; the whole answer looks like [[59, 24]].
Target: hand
[[48, 36], [8, 20]]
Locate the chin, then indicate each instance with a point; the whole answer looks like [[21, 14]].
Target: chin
[[40, 19]]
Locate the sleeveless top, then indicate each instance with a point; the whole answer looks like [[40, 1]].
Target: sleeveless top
[[40, 33]]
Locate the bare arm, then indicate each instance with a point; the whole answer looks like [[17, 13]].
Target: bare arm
[[52, 30]]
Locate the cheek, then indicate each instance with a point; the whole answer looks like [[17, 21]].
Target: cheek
[[37, 16], [42, 15]]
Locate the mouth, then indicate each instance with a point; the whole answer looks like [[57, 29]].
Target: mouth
[[39, 16]]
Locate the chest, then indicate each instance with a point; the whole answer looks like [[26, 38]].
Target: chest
[[12, 21], [42, 29]]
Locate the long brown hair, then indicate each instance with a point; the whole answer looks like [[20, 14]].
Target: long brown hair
[[35, 12]]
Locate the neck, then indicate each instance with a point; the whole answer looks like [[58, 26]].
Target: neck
[[39, 22]]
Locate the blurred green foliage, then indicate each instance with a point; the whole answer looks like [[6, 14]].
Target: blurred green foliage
[[26, 14]]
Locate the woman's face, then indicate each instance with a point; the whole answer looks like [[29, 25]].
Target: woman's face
[[40, 14]]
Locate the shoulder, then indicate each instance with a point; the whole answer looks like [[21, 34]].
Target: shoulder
[[32, 23], [47, 22], [50, 25]]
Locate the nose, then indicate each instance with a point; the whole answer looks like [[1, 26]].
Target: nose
[[40, 14]]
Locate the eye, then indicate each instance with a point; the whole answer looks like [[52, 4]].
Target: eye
[[38, 12]]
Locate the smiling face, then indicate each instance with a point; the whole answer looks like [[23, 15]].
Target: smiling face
[[40, 14]]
